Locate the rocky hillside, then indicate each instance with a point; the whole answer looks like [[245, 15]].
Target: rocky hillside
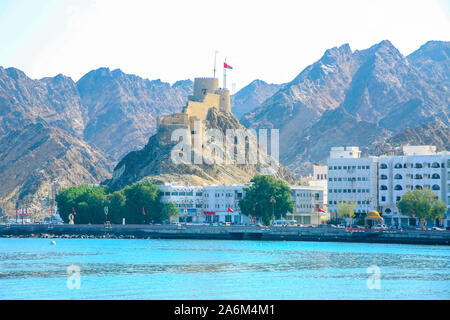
[[355, 98], [54, 100], [38, 159], [153, 162], [251, 96], [55, 129], [434, 133], [75, 132], [433, 60], [122, 108]]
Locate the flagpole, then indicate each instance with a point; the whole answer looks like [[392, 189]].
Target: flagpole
[[215, 59], [225, 75]]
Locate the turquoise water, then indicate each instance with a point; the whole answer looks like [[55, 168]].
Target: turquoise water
[[200, 269]]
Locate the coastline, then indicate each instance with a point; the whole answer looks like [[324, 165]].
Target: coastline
[[199, 232]]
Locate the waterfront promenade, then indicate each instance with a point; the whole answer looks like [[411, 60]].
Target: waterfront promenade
[[227, 233]]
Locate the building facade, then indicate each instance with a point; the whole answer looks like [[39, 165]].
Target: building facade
[[352, 178], [308, 205], [378, 183], [420, 167], [220, 204]]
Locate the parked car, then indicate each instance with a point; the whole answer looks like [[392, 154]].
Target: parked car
[[437, 229]]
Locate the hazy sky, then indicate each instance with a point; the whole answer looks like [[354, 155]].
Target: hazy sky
[[176, 39]]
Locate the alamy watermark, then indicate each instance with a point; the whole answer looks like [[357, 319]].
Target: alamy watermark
[[374, 280], [236, 146], [74, 279]]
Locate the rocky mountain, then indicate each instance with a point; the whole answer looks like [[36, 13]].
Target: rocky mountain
[[122, 108], [54, 100], [434, 133], [433, 60], [355, 98], [251, 96], [154, 162], [56, 129], [38, 159]]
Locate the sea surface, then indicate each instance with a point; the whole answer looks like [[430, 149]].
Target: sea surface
[[210, 269]]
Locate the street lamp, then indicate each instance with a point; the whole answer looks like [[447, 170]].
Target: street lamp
[[273, 201]]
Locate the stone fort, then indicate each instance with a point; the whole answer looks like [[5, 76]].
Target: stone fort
[[207, 95]]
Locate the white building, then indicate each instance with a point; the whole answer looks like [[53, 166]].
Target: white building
[[189, 200], [307, 202], [206, 204], [420, 167], [353, 178], [220, 204], [320, 179]]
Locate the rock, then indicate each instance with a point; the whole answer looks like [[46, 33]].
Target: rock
[[356, 98], [153, 162]]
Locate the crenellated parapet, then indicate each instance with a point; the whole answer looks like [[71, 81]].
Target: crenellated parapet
[[206, 95]]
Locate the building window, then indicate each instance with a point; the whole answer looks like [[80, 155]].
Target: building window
[[383, 166], [398, 187], [435, 165], [418, 166], [418, 176], [398, 166], [435, 176], [383, 177], [383, 187], [383, 198], [398, 176], [436, 187]]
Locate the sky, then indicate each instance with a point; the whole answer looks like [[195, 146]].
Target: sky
[[177, 39]]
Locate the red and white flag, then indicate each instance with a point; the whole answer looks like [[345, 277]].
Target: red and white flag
[[230, 210], [143, 211], [227, 66]]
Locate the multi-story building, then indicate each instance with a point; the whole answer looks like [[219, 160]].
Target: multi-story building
[[320, 179], [352, 178], [221, 204], [308, 205], [206, 204], [420, 167], [215, 204], [189, 200]]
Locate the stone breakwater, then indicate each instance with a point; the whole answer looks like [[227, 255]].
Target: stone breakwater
[[224, 233]]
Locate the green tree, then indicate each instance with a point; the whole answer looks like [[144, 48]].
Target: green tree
[[169, 210], [139, 196], [267, 198], [66, 200], [422, 204], [346, 209], [116, 204], [88, 202]]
